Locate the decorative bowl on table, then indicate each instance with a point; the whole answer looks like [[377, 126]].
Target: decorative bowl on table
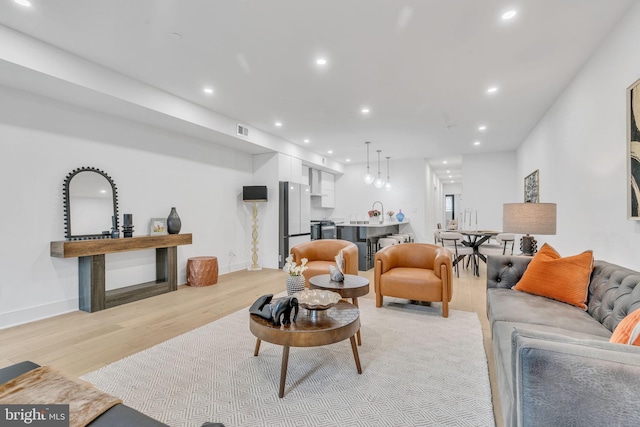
[[317, 299]]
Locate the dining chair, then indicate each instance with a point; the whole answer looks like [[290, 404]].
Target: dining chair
[[453, 241], [504, 243]]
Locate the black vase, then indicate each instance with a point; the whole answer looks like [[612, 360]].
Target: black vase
[[173, 222]]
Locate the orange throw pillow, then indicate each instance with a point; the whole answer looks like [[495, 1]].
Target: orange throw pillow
[[628, 330], [562, 279]]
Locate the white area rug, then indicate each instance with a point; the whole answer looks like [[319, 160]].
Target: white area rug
[[419, 369]]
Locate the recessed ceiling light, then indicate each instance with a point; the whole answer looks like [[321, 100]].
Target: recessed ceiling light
[[492, 89], [482, 127], [450, 176], [448, 171], [508, 15], [279, 124], [476, 143], [348, 160], [25, 3], [444, 162], [365, 110], [306, 141], [330, 151], [208, 90], [321, 61], [103, 191], [452, 182]]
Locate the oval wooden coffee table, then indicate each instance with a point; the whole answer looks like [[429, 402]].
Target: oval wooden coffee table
[[334, 325], [352, 287]]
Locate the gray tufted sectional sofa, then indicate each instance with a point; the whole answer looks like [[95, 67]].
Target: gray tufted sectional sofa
[[554, 364]]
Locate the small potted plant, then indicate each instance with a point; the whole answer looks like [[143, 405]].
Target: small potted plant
[[295, 279], [390, 214]]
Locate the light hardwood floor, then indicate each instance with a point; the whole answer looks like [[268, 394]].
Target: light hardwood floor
[[79, 342]]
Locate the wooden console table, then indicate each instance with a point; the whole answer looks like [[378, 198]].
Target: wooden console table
[[91, 268]]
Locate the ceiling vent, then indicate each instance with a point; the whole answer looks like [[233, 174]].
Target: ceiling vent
[[243, 130]]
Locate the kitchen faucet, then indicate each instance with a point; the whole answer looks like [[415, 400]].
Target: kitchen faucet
[[381, 209]]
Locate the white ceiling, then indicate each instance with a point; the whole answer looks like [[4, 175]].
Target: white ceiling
[[421, 66]]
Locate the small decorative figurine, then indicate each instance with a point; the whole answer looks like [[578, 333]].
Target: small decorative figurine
[[336, 273], [279, 312], [282, 310], [261, 307]]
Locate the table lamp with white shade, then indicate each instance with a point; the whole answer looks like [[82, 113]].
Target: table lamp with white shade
[[527, 219]]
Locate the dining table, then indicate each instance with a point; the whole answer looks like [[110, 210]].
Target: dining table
[[475, 238]]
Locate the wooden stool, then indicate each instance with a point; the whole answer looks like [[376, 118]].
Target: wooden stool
[[202, 271]]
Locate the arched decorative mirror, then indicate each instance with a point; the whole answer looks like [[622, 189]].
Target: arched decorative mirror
[[90, 203]]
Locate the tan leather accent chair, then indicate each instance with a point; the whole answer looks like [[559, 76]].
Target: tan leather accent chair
[[415, 271], [322, 253]]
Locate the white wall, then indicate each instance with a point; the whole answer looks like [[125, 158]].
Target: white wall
[[488, 181], [43, 140], [409, 192], [580, 149]]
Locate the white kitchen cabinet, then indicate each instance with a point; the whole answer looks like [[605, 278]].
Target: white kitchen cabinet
[[327, 183], [296, 171], [290, 169], [328, 199]]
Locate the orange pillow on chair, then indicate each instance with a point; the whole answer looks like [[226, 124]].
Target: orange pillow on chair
[[628, 330], [562, 279]]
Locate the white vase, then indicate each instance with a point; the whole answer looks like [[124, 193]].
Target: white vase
[[295, 284]]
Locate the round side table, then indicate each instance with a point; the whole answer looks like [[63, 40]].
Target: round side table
[[352, 287], [337, 324]]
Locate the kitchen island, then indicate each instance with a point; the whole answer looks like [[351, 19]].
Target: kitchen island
[[364, 236]]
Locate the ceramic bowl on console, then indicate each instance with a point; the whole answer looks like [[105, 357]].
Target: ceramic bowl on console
[[317, 299]]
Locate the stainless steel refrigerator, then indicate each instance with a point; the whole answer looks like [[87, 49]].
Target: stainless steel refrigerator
[[295, 217]]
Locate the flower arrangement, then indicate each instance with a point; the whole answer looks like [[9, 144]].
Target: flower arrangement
[[390, 213], [374, 213], [292, 268]]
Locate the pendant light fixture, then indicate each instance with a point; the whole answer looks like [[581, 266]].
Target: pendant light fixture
[[378, 183], [387, 186], [368, 178]]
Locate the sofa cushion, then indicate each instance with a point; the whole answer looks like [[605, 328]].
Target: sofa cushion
[[563, 381], [563, 279], [403, 282], [628, 331], [501, 333], [510, 306]]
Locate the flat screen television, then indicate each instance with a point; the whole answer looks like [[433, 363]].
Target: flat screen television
[[254, 193]]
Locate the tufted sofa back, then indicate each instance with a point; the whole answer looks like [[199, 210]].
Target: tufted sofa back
[[614, 291]]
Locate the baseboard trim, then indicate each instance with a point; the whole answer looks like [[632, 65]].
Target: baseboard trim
[[31, 314]]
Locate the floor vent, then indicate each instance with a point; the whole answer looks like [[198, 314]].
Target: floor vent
[[243, 130]]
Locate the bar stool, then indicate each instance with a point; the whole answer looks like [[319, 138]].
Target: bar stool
[[399, 238], [405, 236], [385, 241], [372, 246]]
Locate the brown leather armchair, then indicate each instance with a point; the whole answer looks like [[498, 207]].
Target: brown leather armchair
[[416, 271], [322, 253]]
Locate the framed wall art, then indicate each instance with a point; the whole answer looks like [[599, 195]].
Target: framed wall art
[[633, 151], [532, 187]]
